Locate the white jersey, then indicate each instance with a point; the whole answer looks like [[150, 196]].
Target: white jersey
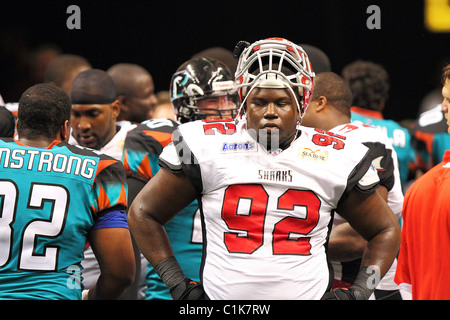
[[386, 164], [114, 147], [267, 216]]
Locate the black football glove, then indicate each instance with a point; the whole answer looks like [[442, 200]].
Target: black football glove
[[352, 293], [339, 294], [188, 290], [362, 287]]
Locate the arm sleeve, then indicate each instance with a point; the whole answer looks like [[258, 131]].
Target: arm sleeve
[[169, 159], [110, 189], [140, 154], [383, 163], [363, 177], [112, 219], [177, 157]]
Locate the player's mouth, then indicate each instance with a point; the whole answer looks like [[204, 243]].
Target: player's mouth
[[270, 127], [86, 140]]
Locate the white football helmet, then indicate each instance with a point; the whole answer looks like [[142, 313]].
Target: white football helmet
[[264, 63]]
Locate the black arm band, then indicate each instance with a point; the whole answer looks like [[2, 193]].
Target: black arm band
[[365, 283], [170, 272]]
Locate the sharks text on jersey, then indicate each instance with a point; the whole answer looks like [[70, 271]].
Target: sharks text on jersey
[[275, 175]]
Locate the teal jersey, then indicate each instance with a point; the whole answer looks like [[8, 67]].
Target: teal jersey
[[430, 148], [143, 146], [399, 136], [49, 200], [441, 143], [430, 138]]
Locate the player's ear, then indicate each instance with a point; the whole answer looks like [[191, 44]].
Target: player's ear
[[318, 104], [64, 132], [321, 102], [115, 108], [122, 105]]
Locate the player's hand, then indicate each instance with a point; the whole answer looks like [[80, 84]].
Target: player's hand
[[339, 294], [188, 290]]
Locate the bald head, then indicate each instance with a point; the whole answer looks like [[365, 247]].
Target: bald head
[[63, 69], [135, 90], [93, 87], [126, 76]]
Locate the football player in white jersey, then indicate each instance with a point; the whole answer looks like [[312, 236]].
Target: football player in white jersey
[[329, 110], [268, 189]]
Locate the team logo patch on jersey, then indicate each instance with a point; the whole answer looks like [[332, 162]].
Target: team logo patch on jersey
[[370, 178], [377, 164], [315, 155], [238, 146]]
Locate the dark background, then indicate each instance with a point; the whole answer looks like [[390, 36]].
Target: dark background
[[160, 35]]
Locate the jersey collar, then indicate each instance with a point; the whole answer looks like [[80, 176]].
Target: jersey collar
[[50, 146], [368, 113]]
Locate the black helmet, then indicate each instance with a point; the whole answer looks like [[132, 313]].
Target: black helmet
[[200, 81]]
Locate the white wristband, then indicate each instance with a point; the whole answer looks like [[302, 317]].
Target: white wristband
[[84, 294]]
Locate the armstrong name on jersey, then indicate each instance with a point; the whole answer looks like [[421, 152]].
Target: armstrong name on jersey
[[45, 160]]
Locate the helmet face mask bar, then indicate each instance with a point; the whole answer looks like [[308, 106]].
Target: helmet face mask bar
[[275, 63], [203, 88], [219, 105]]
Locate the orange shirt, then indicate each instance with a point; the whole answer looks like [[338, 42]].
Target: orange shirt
[[424, 259]]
